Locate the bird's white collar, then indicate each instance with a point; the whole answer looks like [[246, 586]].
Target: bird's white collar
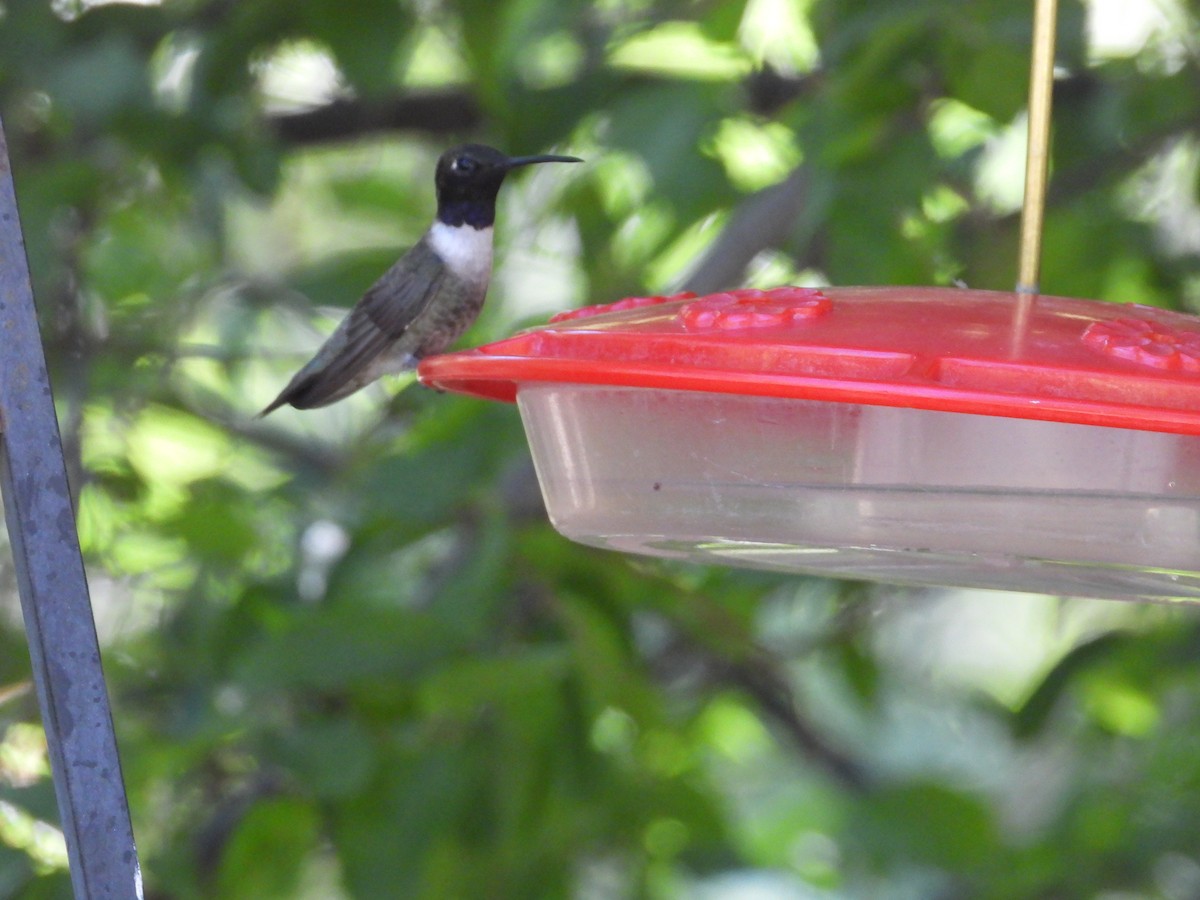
[[465, 250]]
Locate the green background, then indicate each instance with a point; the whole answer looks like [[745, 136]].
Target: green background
[[347, 655]]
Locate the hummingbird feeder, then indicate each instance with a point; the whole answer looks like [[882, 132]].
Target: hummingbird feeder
[[931, 436]]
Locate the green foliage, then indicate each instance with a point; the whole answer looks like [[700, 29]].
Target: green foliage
[[348, 655]]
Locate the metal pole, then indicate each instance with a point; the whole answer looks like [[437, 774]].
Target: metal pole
[[54, 595], [1037, 158]]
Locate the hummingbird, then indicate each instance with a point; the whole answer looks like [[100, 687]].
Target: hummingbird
[[430, 295]]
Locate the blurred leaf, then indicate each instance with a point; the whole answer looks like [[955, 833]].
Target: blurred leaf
[[16, 870], [387, 835], [723, 20], [924, 822], [466, 686], [987, 57], [377, 192], [861, 669], [100, 79], [37, 799], [333, 757], [142, 257], [217, 522], [664, 124], [265, 855], [866, 245], [341, 647], [50, 886], [431, 482], [363, 41]]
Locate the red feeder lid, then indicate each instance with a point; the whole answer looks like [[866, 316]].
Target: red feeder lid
[[982, 352]]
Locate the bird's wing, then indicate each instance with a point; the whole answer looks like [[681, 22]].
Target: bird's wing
[[377, 321], [382, 316]]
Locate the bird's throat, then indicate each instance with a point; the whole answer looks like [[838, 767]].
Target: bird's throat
[[466, 251], [473, 211]]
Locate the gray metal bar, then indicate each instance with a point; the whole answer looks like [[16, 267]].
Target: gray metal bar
[[54, 593]]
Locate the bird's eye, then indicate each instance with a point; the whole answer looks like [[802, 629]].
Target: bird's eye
[[464, 165]]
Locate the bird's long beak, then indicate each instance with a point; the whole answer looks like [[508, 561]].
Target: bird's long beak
[[514, 161]]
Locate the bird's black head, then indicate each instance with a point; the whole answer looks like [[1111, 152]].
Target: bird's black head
[[469, 177]]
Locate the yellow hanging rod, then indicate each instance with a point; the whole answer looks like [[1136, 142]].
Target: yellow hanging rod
[[1037, 157]]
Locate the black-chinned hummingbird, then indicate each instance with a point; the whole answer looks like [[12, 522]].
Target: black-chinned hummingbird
[[427, 299]]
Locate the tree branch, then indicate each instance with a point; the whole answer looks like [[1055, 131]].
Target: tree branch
[[446, 111], [756, 673], [455, 110]]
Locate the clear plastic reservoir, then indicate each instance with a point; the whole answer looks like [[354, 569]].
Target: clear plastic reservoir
[[888, 493]]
